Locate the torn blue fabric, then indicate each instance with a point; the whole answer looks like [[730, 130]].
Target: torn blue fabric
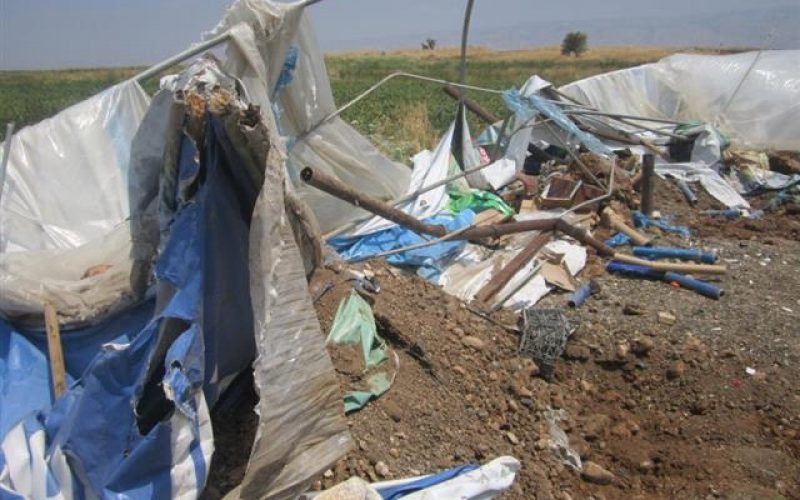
[[134, 422], [429, 261]]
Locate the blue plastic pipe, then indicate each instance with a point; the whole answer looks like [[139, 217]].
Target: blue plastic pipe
[[633, 270], [580, 296], [656, 253], [698, 286], [703, 288]]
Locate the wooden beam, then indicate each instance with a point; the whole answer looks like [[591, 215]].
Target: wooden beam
[[502, 278], [55, 353]]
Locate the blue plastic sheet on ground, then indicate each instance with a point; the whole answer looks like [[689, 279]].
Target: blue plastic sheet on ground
[[526, 107], [134, 422], [640, 220], [400, 490], [429, 261], [618, 240]]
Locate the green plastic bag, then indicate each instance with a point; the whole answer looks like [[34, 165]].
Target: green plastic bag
[[354, 324], [477, 201]]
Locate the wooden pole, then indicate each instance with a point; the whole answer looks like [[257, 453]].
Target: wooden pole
[[612, 220], [339, 189], [471, 105], [502, 278], [55, 353], [648, 179]]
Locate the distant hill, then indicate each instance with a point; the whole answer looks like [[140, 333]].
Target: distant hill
[[773, 27]]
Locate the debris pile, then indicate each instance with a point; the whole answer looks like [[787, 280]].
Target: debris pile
[[230, 244]]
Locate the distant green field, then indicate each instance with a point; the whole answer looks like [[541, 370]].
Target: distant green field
[[401, 117]]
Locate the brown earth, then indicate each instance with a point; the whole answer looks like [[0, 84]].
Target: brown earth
[[705, 407]]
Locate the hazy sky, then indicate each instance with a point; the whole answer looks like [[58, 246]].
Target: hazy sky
[[86, 33]]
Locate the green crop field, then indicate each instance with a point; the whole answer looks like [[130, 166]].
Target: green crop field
[[401, 117]]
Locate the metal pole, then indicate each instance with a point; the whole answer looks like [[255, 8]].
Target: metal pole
[[334, 186], [308, 3], [183, 56], [338, 189], [648, 174], [617, 115], [6, 154], [462, 71], [739, 86]]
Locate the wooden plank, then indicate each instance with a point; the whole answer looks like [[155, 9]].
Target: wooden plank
[[55, 353], [490, 216], [502, 278]]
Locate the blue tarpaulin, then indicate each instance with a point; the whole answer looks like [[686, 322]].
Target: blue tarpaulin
[[428, 260], [642, 221], [134, 421]]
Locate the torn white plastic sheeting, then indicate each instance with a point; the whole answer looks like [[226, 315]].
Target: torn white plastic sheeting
[[500, 173], [262, 33], [711, 181], [429, 168], [706, 159], [483, 483], [474, 267], [63, 278], [301, 430], [519, 134], [754, 97], [83, 149]]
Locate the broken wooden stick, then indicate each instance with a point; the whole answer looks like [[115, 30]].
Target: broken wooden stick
[[501, 279], [54, 350], [612, 220], [471, 105], [337, 188]]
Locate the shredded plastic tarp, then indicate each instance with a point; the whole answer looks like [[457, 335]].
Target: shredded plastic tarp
[[413, 486], [428, 261], [526, 107], [169, 367], [135, 420], [264, 33], [430, 168], [466, 482], [355, 325]]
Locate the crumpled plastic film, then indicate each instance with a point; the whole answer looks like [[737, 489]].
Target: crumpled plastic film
[[65, 238], [67, 176], [263, 33], [753, 97], [301, 430]]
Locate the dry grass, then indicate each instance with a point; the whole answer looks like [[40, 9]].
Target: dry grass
[[413, 129]]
